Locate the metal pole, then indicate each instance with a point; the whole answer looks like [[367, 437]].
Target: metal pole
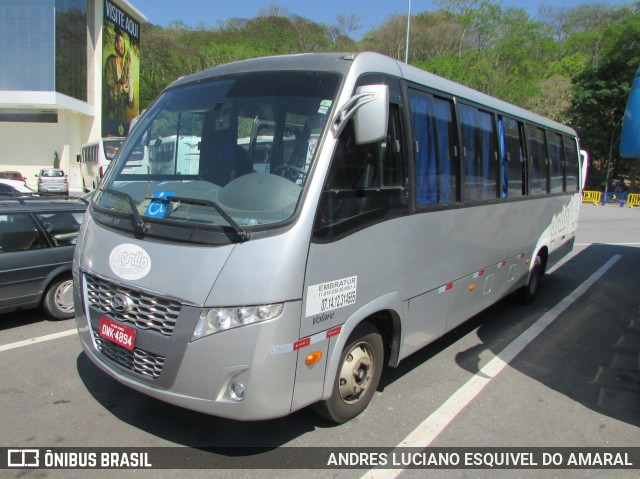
[[406, 53]]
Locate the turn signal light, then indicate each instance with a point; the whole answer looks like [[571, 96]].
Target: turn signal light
[[313, 358]]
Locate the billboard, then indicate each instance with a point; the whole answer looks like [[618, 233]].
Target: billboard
[[120, 70]]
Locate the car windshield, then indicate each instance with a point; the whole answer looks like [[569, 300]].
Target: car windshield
[[234, 152]]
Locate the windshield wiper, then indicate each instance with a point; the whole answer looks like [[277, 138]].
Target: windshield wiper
[[242, 234], [137, 219]]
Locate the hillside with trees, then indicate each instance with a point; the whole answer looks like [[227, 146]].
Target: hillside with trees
[[573, 65]]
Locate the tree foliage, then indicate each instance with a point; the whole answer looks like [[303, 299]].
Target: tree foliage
[[574, 65]]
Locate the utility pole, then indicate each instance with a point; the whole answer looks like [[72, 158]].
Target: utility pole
[[406, 53]]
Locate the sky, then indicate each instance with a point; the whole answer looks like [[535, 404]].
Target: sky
[[372, 13]]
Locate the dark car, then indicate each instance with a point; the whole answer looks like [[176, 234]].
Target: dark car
[[37, 241]]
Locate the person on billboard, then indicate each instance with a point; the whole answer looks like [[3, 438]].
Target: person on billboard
[[118, 87]]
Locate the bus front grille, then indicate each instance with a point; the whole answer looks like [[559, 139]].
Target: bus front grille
[[147, 311], [138, 360]]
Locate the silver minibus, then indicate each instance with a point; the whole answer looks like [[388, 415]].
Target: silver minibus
[[340, 212]]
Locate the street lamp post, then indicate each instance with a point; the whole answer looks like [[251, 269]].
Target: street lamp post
[[406, 52]]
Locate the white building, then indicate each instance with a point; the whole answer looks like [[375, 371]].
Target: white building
[[53, 57]]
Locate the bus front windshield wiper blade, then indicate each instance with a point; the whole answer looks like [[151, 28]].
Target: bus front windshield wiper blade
[[138, 222], [242, 234]]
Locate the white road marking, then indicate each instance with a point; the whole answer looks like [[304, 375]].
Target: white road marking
[[40, 339], [438, 421]]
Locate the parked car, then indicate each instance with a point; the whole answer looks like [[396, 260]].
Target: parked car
[[13, 175], [14, 188], [37, 241], [52, 180]]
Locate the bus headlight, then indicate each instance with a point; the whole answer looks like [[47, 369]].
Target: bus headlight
[[214, 320]]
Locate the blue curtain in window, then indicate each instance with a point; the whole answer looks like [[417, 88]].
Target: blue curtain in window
[[426, 167], [504, 162], [443, 120]]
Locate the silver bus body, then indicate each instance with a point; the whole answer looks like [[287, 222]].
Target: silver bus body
[[260, 315]]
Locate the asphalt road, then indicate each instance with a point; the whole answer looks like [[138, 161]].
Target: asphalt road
[[497, 380]]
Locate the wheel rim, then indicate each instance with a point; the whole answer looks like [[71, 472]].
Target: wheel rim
[[356, 373], [64, 297]]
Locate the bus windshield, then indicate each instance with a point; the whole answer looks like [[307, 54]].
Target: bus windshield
[[232, 152], [111, 147]]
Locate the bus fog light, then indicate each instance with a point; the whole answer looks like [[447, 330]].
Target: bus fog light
[[237, 391]]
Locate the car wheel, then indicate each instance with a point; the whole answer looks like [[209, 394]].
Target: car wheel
[[58, 300], [357, 378]]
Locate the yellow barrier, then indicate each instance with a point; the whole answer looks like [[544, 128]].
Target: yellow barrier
[[633, 200], [594, 197]]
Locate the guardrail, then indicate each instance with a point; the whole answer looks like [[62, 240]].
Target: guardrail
[[611, 198], [620, 198], [594, 197], [633, 200], [615, 197]]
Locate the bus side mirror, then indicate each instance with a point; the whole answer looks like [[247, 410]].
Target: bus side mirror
[[584, 166], [369, 108], [630, 140], [78, 158]]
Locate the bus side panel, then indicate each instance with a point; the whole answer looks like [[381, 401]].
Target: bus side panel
[[481, 289], [427, 319], [480, 253]]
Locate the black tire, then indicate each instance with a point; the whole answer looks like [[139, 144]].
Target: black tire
[[529, 291], [357, 378], [58, 299]]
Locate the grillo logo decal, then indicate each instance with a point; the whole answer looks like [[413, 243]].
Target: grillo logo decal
[[129, 261], [566, 220]]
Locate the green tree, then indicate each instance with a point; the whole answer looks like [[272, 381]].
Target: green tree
[[599, 99]]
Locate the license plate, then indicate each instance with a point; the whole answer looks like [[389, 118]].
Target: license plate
[[117, 333]]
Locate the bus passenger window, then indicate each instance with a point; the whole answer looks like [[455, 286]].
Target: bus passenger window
[[480, 154], [556, 163], [435, 143], [537, 148], [513, 159], [366, 184], [571, 165]]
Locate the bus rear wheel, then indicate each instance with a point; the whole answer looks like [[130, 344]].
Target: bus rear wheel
[[357, 378], [529, 291]]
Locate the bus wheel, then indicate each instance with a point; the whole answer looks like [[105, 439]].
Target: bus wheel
[[530, 290], [358, 376], [58, 300]]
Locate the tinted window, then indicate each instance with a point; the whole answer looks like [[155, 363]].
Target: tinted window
[[62, 226], [479, 153], [365, 184], [18, 232], [537, 149], [513, 158], [571, 165], [556, 163]]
